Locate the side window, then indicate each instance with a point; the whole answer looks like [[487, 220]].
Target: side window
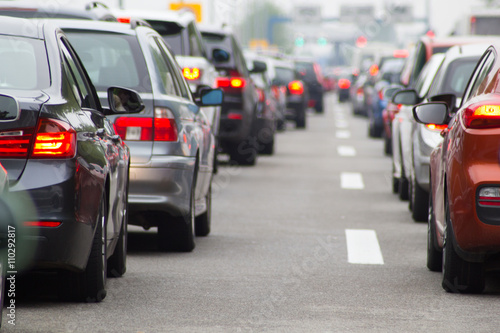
[[81, 87], [163, 70], [176, 71], [478, 82]]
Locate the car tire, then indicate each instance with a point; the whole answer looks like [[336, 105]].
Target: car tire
[[176, 234], [90, 285], [300, 119], [459, 276], [419, 202], [387, 145], [434, 253], [117, 263], [245, 153], [203, 222], [319, 107], [268, 148]]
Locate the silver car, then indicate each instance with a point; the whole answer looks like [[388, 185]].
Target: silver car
[[171, 142]]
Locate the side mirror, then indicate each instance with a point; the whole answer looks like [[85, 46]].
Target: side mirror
[[406, 97], [123, 100], [210, 97], [220, 55], [449, 99], [258, 67], [431, 113], [9, 109]]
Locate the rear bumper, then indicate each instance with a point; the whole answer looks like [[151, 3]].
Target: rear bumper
[[162, 185]]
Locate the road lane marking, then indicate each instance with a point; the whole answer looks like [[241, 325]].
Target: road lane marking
[[343, 134], [363, 247], [351, 181], [341, 124], [346, 151]]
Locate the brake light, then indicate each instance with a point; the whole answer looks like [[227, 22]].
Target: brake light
[[344, 84], [296, 88], [50, 224], [123, 19], [482, 116], [54, 138], [165, 125], [15, 143], [191, 73], [373, 70], [233, 82], [162, 128], [436, 127]]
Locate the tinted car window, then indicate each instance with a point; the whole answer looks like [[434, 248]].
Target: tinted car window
[[213, 41], [306, 69], [177, 77], [163, 71], [171, 33], [285, 75], [24, 64], [454, 79], [479, 83], [111, 60]]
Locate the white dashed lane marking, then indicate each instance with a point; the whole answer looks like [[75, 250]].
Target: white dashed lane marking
[[363, 247], [343, 134], [346, 151], [351, 181]]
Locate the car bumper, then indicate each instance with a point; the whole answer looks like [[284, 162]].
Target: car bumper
[[162, 185]]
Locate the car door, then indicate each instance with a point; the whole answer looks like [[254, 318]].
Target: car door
[[96, 140]]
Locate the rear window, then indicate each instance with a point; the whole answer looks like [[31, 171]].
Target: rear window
[[284, 75], [213, 41], [23, 64], [171, 33], [111, 59], [306, 70], [485, 25]]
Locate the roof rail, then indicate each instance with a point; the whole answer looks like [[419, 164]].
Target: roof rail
[[135, 22]]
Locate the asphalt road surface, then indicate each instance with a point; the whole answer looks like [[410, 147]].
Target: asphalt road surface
[[309, 240]]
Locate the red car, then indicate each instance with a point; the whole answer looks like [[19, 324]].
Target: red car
[[464, 212]]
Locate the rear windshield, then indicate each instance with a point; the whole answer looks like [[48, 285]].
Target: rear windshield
[[23, 64], [306, 70], [171, 33], [284, 75], [111, 59], [213, 41]]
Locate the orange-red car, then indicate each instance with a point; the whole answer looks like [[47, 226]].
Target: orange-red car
[[464, 212]]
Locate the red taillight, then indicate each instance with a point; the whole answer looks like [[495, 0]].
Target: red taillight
[[235, 116], [373, 70], [191, 73], [482, 116], [233, 82], [15, 143], [296, 88], [436, 127], [489, 196], [400, 53], [50, 224], [123, 19], [165, 125], [163, 128], [54, 138], [344, 84]]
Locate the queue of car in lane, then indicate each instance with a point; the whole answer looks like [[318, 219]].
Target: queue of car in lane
[[142, 135], [445, 156]]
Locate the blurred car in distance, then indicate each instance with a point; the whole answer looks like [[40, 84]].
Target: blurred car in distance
[[94, 10], [310, 74]]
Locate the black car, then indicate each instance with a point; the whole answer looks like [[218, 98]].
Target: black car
[[310, 73], [239, 127], [60, 150], [26, 9]]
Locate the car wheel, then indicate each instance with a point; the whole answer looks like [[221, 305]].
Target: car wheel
[[90, 285], [403, 185], [203, 222], [268, 147], [117, 263], [319, 107], [387, 144], [395, 182], [459, 276], [434, 253], [176, 234], [420, 202]]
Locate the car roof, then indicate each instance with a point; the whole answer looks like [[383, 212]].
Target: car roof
[[215, 30], [466, 50], [182, 17], [123, 28], [14, 26], [92, 11]]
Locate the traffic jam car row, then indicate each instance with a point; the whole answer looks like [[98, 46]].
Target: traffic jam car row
[[105, 124], [441, 122]]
